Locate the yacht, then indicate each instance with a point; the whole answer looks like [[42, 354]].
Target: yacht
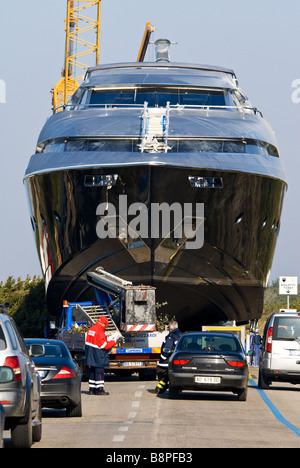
[[164, 174]]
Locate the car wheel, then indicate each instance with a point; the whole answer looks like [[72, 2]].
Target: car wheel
[[37, 425], [242, 394], [173, 392], [263, 382], [22, 433], [74, 411]]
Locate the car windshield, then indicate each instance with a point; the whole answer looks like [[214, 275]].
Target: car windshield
[[286, 328], [158, 97], [209, 342], [2, 340]]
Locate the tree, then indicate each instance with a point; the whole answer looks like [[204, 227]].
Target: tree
[[27, 304], [274, 302]]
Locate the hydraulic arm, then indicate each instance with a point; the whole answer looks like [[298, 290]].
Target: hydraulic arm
[[145, 42]]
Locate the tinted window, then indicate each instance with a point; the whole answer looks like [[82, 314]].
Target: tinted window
[[11, 334], [52, 351], [158, 97], [245, 146], [2, 340], [120, 97], [55, 351], [202, 98], [286, 328], [209, 341], [19, 338]]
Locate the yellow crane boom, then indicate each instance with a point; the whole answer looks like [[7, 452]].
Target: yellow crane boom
[[79, 44], [146, 38]]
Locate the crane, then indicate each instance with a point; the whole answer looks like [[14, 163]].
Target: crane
[[80, 44], [145, 42]]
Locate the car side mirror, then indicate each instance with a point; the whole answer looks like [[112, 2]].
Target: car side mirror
[[6, 375], [251, 353], [36, 350], [167, 351]]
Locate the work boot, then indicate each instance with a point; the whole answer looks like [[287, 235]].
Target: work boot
[[154, 390], [161, 387], [103, 392]]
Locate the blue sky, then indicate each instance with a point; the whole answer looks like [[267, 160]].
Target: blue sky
[[258, 39]]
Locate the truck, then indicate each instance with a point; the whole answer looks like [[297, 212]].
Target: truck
[[130, 310]]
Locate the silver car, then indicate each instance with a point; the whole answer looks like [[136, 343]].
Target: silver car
[[2, 420], [280, 350], [20, 396]]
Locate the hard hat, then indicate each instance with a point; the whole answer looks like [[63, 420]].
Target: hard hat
[[103, 320]]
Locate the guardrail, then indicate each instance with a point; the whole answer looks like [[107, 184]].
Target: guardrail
[[207, 108]]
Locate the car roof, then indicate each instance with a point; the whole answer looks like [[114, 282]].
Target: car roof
[[286, 314], [209, 332], [43, 341], [4, 314]]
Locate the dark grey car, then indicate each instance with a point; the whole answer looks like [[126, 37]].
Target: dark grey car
[[20, 396], [60, 375], [209, 361]]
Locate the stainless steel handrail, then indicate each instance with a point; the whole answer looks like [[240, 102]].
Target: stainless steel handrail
[[206, 108]]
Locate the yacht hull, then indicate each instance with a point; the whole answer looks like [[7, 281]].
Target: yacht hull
[[223, 279]]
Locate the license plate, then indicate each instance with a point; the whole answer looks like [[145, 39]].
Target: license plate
[[208, 380], [132, 364]]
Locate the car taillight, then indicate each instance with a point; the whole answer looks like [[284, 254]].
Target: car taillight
[[180, 362], [269, 340], [64, 373], [235, 363], [14, 363]]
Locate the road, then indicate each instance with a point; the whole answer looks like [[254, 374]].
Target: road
[[132, 417]]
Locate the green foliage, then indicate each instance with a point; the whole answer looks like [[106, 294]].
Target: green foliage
[[28, 305], [275, 301], [26, 299]]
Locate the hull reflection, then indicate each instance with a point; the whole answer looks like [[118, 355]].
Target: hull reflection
[[225, 279]]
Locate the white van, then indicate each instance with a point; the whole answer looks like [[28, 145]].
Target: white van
[[280, 350]]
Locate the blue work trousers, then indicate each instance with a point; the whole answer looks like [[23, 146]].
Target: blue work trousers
[[96, 379]]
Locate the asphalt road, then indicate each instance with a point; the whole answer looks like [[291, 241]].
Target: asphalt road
[[133, 418]]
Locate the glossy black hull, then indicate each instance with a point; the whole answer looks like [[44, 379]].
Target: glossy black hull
[[225, 279]]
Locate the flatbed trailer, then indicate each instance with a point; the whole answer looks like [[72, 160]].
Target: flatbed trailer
[[140, 349]]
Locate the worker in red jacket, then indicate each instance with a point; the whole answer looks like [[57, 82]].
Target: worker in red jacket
[[96, 355]]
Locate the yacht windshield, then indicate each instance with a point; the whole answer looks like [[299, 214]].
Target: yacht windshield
[[158, 97]]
